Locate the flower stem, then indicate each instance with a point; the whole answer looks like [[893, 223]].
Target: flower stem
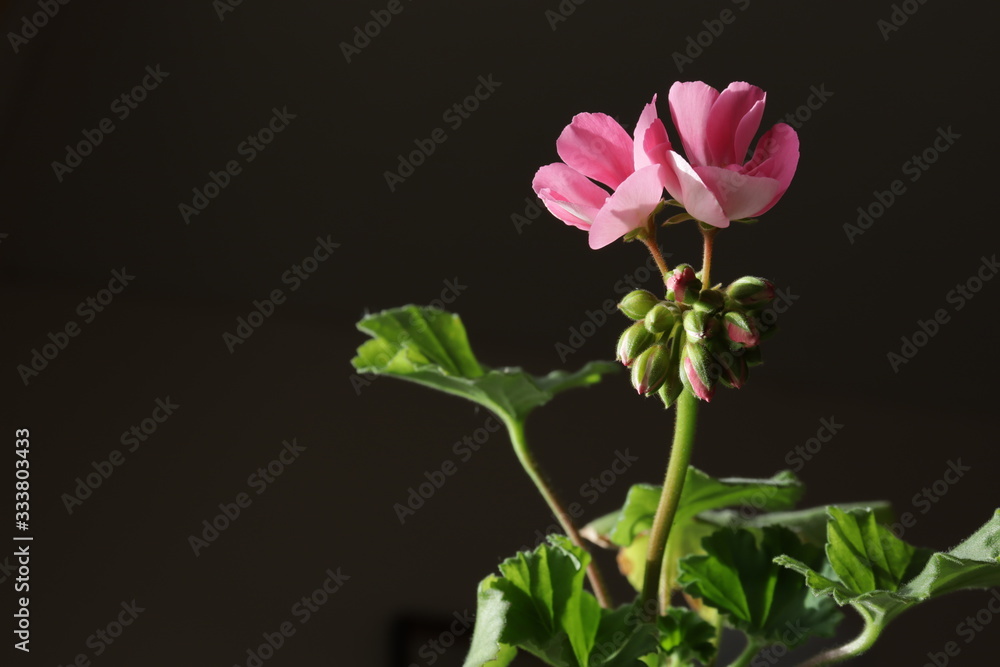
[[706, 264], [649, 238], [748, 654], [851, 649], [673, 484], [530, 465]]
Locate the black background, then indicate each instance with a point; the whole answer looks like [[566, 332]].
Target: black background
[[521, 291]]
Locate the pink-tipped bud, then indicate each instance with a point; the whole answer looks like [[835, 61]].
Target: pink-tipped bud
[[633, 342], [650, 369], [733, 368], [699, 325], [684, 284], [697, 371], [751, 291], [741, 329], [637, 303]]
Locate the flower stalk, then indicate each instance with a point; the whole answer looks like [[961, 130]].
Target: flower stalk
[[666, 510], [517, 437]]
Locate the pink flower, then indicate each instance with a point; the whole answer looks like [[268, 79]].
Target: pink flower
[[716, 184], [594, 147]]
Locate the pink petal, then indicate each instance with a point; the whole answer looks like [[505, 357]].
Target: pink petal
[[690, 104], [629, 207], [597, 146], [741, 196], [568, 194], [685, 185], [650, 139], [777, 157], [732, 123]]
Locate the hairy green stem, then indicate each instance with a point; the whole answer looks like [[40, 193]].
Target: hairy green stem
[[530, 465], [851, 649], [673, 483], [706, 263]]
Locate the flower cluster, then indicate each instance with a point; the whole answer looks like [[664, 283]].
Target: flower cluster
[[715, 183], [693, 337]]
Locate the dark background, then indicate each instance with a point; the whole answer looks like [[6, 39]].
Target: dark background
[[520, 291]]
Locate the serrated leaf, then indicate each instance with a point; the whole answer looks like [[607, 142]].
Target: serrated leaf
[[430, 347], [882, 593], [685, 636], [622, 639], [539, 605], [739, 577], [491, 616]]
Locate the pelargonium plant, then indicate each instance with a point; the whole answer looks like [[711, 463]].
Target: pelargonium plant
[[735, 550]]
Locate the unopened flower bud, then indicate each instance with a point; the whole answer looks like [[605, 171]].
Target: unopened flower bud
[[740, 329], [637, 303], [661, 317], [650, 369], [696, 371], [709, 301], [673, 385], [732, 366], [633, 342], [684, 284], [751, 291], [699, 325]]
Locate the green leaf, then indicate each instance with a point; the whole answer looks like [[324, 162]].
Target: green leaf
[[538, 605], [491, 616], [626, 527], [739, 577], [685, 636], [881, 576], [622, 639], [809, 524], [430, 347]]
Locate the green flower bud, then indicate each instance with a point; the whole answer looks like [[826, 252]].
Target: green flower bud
[[696, 371], [633, 342], [673, 385], [637, 303], [699, 325], [751, 291], [741, 330], [650, 369], [710, 301], [661, 317]]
